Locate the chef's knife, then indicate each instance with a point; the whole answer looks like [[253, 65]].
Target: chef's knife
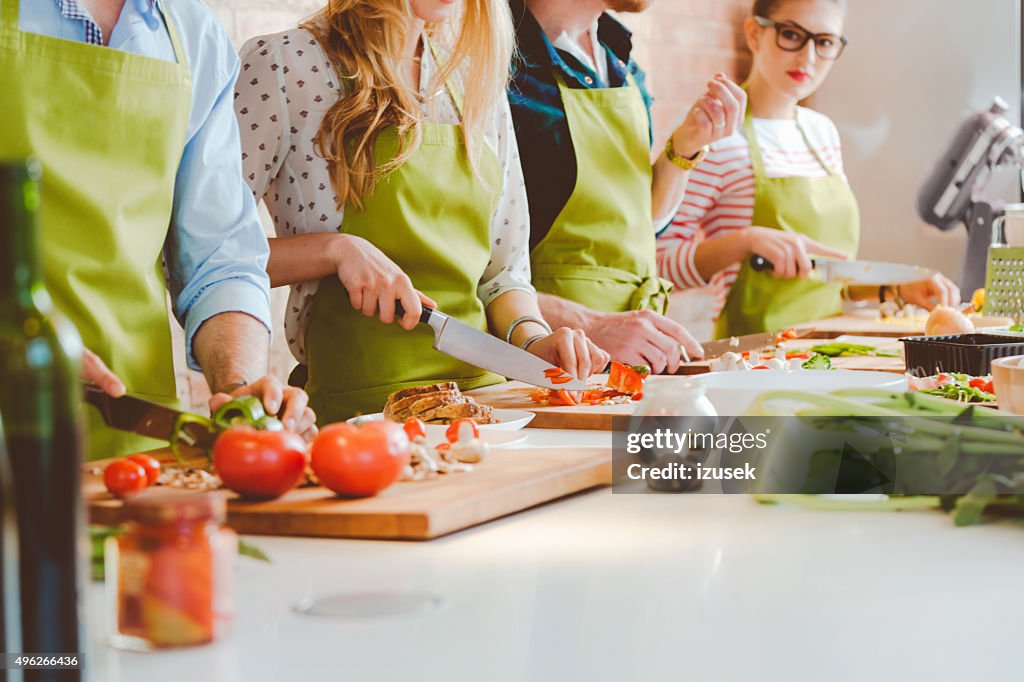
[[740, 344], [144, 418], [482, 350], [869, 273]]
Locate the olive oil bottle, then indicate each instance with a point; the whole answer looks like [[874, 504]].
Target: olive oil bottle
[[40, 397]]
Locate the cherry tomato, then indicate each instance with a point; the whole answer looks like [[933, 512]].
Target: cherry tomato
[[259, 464], [124, 477], [150, 465], [360, 461], [414, 428], [462, 427], [978, 382], [989, 387]]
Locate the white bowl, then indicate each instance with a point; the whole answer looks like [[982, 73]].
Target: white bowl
[[732, 392], [1008, 377]]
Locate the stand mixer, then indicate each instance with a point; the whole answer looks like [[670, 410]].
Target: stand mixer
[[955, 192]]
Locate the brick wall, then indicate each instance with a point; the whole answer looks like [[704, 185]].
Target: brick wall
[[680, 43]]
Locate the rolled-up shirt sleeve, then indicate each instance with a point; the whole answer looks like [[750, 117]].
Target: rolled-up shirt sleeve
[[216, 251]]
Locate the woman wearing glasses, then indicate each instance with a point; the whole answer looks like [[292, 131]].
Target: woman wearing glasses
[[776, 189]]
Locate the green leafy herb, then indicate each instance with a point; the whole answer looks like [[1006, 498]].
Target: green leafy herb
[[849, 350], [1017, 327], [818, 361], [950, 446], [252, 551]]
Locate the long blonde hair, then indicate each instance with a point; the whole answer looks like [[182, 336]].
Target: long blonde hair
[[364, 40]]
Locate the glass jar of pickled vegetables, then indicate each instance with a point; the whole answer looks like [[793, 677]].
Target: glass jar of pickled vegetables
[[171, 573]]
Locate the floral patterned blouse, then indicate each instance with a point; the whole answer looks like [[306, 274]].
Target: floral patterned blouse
[[285, 87]]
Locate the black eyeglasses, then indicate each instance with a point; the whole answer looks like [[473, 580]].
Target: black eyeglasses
[[793, 37]]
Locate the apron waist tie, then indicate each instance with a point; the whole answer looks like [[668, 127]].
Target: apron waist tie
[[650, 293]]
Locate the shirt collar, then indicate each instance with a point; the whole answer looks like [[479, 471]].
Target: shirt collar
[[537, 51]]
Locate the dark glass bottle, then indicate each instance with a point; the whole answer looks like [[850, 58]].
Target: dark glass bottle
[[10, 606], [40, 362]]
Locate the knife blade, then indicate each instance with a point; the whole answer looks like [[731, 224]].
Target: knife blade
[[740, 344], [144, 418], [866, 272], [480, 349], [737, 344]]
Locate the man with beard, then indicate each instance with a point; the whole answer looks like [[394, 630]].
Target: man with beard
[[582, 118]]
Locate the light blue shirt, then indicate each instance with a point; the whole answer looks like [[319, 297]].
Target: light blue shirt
[[216, 251]]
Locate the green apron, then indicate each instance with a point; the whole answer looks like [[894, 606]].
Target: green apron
[[109, 127], [432, 217], [824, 209], [600, 251]]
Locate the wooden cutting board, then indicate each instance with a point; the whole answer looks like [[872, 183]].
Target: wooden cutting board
[[867, 323], [508, 481]]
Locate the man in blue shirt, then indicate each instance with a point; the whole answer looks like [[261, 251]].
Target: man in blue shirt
[[582, 116], [128, 105]]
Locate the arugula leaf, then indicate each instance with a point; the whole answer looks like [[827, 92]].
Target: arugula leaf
[[252, 551], [818, 361]]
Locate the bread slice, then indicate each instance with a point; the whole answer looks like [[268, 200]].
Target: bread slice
[[436, 404], [410, 406], [417, 390], [446, 414]]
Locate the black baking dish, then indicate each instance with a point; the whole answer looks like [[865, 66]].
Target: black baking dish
[[960, 353]]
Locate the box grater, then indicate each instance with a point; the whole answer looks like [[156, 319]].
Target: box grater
[[1004, 283]]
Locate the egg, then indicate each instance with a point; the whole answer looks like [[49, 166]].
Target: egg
[[945, 321]]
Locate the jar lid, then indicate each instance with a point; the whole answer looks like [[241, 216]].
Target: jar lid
[[175, 506]]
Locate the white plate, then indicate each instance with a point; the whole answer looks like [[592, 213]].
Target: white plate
[[1001, 331], [732, 392], [509, 420]]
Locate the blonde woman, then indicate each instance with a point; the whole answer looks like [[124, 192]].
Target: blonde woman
[[388, 162]]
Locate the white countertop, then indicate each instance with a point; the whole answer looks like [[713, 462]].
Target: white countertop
[[629, 587]]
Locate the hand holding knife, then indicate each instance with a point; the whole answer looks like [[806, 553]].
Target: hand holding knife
[[480, 349]]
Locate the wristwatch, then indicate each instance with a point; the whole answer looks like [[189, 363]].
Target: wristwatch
[[684, 162]]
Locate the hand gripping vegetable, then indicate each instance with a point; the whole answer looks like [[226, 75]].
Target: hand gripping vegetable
[[243, 411]]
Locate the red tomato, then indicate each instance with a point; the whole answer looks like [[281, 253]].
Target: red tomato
[[414, 428], [360, 462], [149, 465], [124, 477], [259, 464], [989, 387], [460, 426]]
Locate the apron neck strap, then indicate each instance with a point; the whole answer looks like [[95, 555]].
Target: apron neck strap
[[172, 31], [757, 159], [450, 84]]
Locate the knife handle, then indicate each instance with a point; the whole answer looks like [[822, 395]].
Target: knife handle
[[761, 264], [424, 315]]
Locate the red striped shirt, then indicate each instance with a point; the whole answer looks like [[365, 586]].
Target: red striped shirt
[[720, 196]]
